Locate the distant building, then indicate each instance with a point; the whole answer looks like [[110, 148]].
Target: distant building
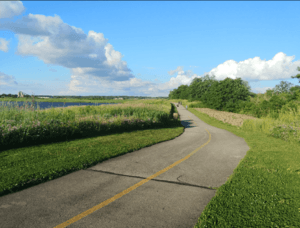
[[20, 94]]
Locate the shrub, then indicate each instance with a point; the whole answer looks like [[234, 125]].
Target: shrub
[[199, 105], [233, 106], [247, 107], [294, 96], [290, 106]]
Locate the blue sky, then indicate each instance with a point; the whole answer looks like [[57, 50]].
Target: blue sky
[[144, 48]]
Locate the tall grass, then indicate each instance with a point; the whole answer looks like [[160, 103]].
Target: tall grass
[[23, 166], [23, 126], [279, 124], [264, 189]]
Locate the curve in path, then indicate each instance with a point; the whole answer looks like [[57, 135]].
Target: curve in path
[[177, 176]]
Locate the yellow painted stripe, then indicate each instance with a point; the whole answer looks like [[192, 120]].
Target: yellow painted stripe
[[106, 202]]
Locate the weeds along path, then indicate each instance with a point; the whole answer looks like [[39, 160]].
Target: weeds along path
[[227, 117]]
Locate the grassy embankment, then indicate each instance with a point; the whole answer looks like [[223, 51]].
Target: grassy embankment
[[37, 146], [264, 189]]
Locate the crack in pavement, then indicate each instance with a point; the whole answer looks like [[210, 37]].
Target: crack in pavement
[[171, 182]]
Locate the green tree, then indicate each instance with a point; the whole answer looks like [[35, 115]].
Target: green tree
[[227, 94], [200, 89], [298, 75], [284, 87], [183, 91], [200, 86], [174, 94], [295, 88], [270, 92]]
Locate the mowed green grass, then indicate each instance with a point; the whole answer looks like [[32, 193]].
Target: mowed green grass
[[24, 167], [264, 189]]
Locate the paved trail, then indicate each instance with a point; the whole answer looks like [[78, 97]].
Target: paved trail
[[117, 194]]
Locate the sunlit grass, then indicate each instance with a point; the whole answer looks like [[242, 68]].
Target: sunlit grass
[[24, 125], [264, 189], [134, 123]]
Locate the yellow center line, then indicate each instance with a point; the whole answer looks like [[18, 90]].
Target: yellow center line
[[106, 202]]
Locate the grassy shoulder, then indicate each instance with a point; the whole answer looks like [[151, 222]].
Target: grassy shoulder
[[23, 126], [263, 190], [21, 168]]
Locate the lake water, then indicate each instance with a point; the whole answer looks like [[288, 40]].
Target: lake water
[[45, 105]]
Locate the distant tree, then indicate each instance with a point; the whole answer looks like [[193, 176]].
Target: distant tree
[[270, 92], [298, 75], [284, 87], [200, 86], [174, 94], [295, 88], [199, 89], [247, 86], [183, 91], [226, 94]]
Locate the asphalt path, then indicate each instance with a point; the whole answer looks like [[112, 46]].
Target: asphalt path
[[164, 185]]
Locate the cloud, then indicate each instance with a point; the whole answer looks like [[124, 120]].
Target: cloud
[[95, 65], [178, 69], [10, 9], [58, 43], [4, 45], [97, 68], [7, 80], [280, 67]]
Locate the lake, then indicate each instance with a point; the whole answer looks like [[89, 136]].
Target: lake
[[45, 105]]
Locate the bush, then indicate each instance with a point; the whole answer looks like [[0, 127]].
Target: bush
[[294, 96], [263, 109], [199, 105], [276, 103], [291, 105], [247, 107], [226, 94], [234, 106], [193, 99]]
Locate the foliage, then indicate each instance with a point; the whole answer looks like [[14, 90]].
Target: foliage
[[264, 108], [193, 92], [276, 103], [246, 107], [284, 87], [270, 92], [29, 127], [234, 96], [198, 105], [295, 94], [225, 95], [200, 86], [290, 106], [298, 75]]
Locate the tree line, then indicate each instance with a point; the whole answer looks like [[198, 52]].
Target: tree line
[[226, 93]]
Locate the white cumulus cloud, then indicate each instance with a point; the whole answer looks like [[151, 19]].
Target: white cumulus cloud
[[9, 9], [4, 45], [280, 67]]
